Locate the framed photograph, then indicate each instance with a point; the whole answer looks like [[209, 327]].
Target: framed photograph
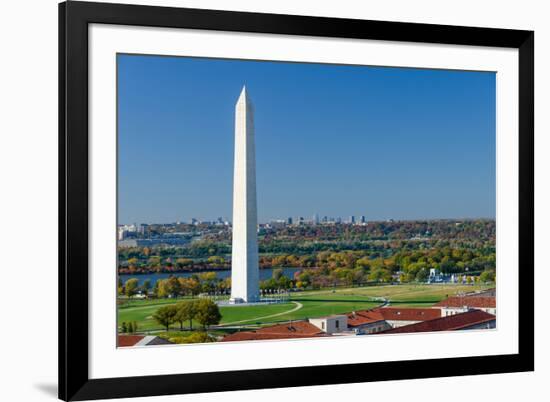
[[257, 200]]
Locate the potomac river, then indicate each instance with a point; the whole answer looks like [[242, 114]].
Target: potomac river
[[221, 274]]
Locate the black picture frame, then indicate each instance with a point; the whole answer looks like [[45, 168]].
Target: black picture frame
[[74, 18]]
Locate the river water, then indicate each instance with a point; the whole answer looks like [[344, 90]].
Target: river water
[[221, 274]]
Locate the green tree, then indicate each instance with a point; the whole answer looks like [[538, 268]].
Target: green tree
[[216, 260], [186, 311], [120, 287], [277, 273], [131, 287], [146, 286], [161, 288], [207, 276], [422, 275], [165, 316], [173, 286], [189, 286], [123, 328], [487, 276], [207, 313], [363, 263], [154, 262], [156, 288], [184, 262], [380, 275], [199, 337]]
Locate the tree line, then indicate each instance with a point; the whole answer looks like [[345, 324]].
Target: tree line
[[307, 241], [203, 311], [173, 286], [327, 269]]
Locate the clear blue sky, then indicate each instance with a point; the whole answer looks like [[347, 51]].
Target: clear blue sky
[[333, 140]]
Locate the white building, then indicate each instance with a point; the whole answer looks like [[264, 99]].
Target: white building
[[461, 304], [331, 324], [244, 265]]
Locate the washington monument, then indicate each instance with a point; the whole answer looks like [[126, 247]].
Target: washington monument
[[244, 265]]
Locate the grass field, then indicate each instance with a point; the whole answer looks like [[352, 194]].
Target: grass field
[[142, 313], [398, 295], [307, 304]]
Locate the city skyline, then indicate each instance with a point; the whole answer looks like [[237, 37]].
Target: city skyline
[[399, 144], [296, 218]]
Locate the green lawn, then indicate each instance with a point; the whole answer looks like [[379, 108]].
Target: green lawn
[[320, 308], [240, 313], [402, 295], [129, 303], [313, 304], [142, 313]]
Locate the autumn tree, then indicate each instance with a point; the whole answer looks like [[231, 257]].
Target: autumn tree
[[487, 276], [146, 286], [131, 287], [216, 260], [277, 273], [189, 286], [183, 262], [207, 313], [165, 316], [422, 275], [186, 311]]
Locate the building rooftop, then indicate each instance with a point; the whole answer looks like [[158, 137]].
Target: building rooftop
[[141, 340], [449, 323], [409, 314], [129, 340], [329, 316], [468, 301], [294, 329], [363, 317]]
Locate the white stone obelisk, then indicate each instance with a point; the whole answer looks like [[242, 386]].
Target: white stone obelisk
[[244, 255]]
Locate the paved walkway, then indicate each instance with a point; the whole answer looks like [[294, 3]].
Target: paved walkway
[[298, 307]]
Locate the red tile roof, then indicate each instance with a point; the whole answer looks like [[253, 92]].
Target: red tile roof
[[129, 340], [409, 314], [469, 301], [363, 317], [296, 329], [450, 323], [392, 313]]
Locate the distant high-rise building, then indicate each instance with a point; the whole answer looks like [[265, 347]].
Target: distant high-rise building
[[289, 220], [363, 219], [352, 219], [316, 219], [142, 228]]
